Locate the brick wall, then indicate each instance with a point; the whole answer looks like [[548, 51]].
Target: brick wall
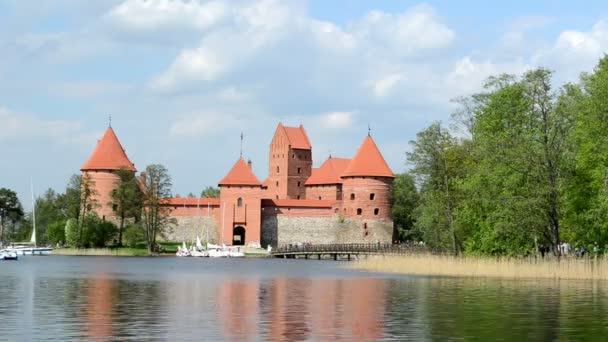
[[291, 229], [103, 182], [363, 189], [324, 192]]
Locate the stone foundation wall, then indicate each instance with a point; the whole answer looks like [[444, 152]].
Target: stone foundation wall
[[282, 230], [188, 227]]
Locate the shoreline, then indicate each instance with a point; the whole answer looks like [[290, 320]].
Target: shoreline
[[485, 267], [130, 252]]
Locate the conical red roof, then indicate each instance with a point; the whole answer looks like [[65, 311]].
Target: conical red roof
[[240, 174], [109, 155], [368, 162], [329, 173]]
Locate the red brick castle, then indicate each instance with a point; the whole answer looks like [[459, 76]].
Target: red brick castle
[[342, 201]]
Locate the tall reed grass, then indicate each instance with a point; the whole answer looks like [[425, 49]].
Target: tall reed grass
[[526, 268]]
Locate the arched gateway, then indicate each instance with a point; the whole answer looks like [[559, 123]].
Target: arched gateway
[[238, 236]]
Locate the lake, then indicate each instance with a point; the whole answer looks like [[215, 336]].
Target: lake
[[178, 299]]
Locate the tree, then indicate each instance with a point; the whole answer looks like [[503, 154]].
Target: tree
[[88, 203], [97, 232], [72, 232], [156, 221], [438, 164], [134, 233], [404, 198], [210, 192], [586, 204], [127, 199], [11, 210], [56, 232]]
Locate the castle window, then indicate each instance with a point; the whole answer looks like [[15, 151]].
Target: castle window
[[372, 196], [376, 211], [359, 211], [352, 197], [114, 207], [277, 196], [319, 198], [298, 196], [299, 184], [293, 156], [299, 170], [278, 169], [277, 183], [239, 202]]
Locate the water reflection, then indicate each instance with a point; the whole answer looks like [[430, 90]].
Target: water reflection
[[148, 299]]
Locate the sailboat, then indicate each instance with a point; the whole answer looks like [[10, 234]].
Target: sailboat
[[30, 248]]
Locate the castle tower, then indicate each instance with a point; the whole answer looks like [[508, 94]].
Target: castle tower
[[367, 183], [290, 163], [241, 206], [101, 168]]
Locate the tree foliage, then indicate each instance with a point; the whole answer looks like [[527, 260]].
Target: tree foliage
[[210, 192], [127, 200], [11, 211], [156, 216]]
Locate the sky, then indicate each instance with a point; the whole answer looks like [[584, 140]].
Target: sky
[[182, 79]]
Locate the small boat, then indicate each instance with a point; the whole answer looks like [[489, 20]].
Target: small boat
[[8, 255], [218, 253], [236, 254]]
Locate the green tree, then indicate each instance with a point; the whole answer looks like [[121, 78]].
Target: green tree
[[127, 200], [134, 233], [56, 232], [97, 232], [404, 199], [210, 192], [438, 165], [586, 212], [72, 232], [88, 203], [11, 211], [156, 216]]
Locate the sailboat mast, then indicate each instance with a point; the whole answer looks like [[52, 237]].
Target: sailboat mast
[[33, 238]]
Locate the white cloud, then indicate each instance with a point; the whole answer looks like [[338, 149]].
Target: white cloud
[[159, 15], [19, 127], [406, 33], [337, 119], [199, 125], [385, 84]]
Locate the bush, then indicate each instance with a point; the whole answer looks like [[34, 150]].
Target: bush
[[97, 233], [56, 232], [133, 234], [71, 232]]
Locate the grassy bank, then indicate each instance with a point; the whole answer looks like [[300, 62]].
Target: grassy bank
[[101, 251], [529, 268]]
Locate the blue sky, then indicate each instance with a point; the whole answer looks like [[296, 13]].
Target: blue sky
[[182, 79]]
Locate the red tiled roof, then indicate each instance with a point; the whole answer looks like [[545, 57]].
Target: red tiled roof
[[368, 162], [186, 201], [297, 137], [240, 174], [298, 203], [109, 155], [329, 173]]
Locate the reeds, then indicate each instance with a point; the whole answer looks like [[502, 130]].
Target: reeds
[[525, 268], [100, 251]]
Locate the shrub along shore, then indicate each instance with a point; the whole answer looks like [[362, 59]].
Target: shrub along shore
[[516, 268], [140, 249]]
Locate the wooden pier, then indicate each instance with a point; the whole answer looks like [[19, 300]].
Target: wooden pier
[[340, 251]]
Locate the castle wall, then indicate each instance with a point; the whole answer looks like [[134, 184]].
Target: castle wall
[[193, 221], [320, 226], [362, 188], [324, 192], [103, 182]]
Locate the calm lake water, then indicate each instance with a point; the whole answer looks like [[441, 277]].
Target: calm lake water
[[178, 299]]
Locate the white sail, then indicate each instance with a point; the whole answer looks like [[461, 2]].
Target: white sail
[[33, 238], [199, 245]]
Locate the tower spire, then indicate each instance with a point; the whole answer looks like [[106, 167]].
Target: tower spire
[[369, 130], [109, 120], [242, 136]]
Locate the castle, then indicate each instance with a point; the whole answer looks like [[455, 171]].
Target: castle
[[342, 201]]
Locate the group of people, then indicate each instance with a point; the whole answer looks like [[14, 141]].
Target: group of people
[[564, 249]]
